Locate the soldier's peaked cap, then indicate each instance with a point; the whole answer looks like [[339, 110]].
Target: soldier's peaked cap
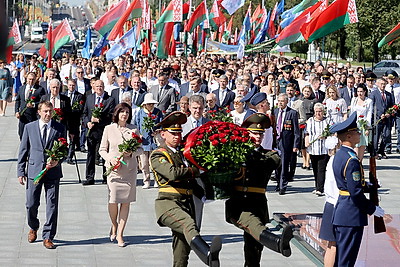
[[257, 122], [173, 122], [346, 126]]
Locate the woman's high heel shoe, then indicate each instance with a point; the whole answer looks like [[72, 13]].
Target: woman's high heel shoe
[[121, 243], [112, 237]]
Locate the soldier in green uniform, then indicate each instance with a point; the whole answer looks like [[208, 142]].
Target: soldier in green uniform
[[174, 205], [247, 207]]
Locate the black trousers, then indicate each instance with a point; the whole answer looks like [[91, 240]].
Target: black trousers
[[92, 144], [319, 163], [383, 135]]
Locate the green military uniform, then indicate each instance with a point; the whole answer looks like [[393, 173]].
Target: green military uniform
[[247, 208], [174, 205]]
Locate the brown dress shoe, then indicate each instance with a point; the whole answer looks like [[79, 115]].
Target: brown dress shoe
[[32, 235], [47, 243]]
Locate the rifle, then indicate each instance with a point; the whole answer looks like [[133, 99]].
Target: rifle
[[379, 224]]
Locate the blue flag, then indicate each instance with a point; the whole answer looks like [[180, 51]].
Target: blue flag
[[86, 47], [126, 42], [102, 43], [280, 8], [263, 32]]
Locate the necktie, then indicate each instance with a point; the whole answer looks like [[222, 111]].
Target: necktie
[[53, 101], [161, 92], [316, 95], [383, 96], [44, 137], [221, 100], [198, 124], [134, 98], [278, 125], [98, 100], [71, 97], [391, 89]]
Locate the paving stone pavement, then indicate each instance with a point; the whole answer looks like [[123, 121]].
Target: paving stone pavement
[[83, 227]]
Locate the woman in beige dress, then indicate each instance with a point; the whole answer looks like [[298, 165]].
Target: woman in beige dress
[[122, 182]]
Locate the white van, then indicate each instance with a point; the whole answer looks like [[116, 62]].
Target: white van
[[37, 34]]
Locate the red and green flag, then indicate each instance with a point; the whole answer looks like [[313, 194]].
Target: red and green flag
[[271, 24], [110, 18], [390, 37], [58, 37], [134, 10], [335, 16], [14, 37], [228, 31], [292, 33], [198, 16], [171, 14], [164, 34], [216, 17]]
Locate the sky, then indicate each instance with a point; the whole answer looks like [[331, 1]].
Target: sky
[[73, 2]]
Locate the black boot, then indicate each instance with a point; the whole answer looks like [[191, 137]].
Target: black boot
[[207, 254], [280, 244]]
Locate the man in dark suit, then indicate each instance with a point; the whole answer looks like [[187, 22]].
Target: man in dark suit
[[137, 92], [50, 75], [316, 93], [195, 88], [123, 87], [96, 126], [288, 140], [77, 101], [348, 92], [38, 136], [382, 100], [59, 102], [82, 83], [25, 111], [224, 96], [164, 94]]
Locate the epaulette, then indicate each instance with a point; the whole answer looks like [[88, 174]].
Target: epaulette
[[160, 149], [352, 155]]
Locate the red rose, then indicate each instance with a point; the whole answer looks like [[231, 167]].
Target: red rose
[[211, 138], [235, 132], [233, 138], [200, 136], [199, 143], [208, 130], [201, 130], [215, 143], [96, 106], [33, 97], [222, 135], [81, 102], [213, 115], [361, 116], [101, 105], [245, 139], [395, 107], [224, 140], [227, 131], [163, 111], [140, 141]]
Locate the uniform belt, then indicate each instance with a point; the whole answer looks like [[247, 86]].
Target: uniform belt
[[3, 79], [175, 190], [344, 193], [250, 189]]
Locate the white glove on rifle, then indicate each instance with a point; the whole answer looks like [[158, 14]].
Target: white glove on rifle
[[379, 212]]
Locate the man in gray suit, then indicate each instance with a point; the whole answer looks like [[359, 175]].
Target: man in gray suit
[[348, 92], [164, 94], [196, 119], [38, 136]]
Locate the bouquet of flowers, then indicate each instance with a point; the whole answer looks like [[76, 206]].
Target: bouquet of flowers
[[77, 105], [325, 133], [392, 111], [222, 114], [57, 114], [96, 113], [31, 101], [149, 122], [57, 152], [362, 123], [219, 148], [128, 146]]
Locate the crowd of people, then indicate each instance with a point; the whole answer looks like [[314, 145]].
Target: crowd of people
[[99, 103]]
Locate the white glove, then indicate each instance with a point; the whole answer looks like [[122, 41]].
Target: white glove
[[201, 171], [379, 212]]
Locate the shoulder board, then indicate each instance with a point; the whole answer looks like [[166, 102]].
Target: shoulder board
[[161, 149], [352, 155]]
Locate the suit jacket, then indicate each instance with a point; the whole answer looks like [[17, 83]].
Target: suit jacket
[[30, 114], [188, 126], [31, 151], [227, 101], [203, 94], [76, 113], [184, 90], [168, 101], [290, 132], [344, 93], [65, 105], [115, 94], [44, 85], [140, 98], [381, 105], [320, 98], [106, 116]]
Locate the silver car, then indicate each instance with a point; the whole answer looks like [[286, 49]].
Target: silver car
[[380, 68]]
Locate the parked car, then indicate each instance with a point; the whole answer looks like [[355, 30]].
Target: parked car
[[381, 67], [37, 34]]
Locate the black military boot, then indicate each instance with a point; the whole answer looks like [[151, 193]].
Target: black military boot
[[207, 254], [280, 244]]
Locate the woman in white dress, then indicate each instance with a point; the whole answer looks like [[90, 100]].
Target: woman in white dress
[[121, 183], [363, 106], [239, 111], [336, 108]]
